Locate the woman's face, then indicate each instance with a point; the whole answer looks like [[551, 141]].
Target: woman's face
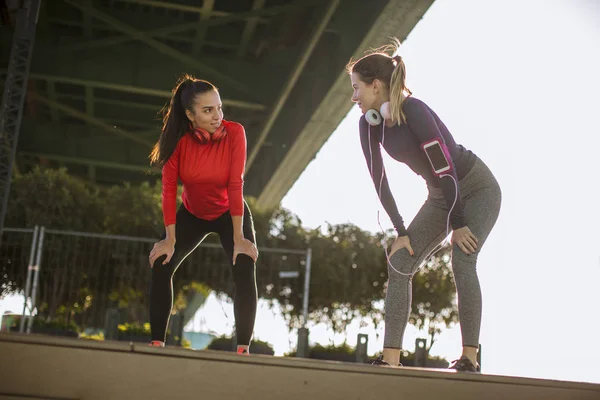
[[208, 111], [365, 95], [368, 96]]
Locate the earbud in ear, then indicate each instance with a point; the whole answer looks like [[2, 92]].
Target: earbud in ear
[[373, 117], [385, 111]]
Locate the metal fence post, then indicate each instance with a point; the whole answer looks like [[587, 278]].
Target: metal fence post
[[30, 268], [420, 353], [306, 287], [111, 324], [36, 277], [362, 343], [303, 348]]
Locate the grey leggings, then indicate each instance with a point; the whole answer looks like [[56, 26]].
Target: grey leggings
[[481, 197]]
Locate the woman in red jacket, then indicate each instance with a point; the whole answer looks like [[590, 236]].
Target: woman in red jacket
[[208, 155]]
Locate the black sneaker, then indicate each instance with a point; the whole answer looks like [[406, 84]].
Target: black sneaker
[[464, 364], [379, 361]]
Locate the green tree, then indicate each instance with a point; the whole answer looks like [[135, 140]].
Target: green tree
[[54, 199], [133, 210]]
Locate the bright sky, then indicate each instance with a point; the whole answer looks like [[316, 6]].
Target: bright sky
[[516, 82]]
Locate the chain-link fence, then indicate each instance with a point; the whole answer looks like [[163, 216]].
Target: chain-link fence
[[77, 278]]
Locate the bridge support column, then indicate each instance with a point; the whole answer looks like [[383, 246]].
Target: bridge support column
[[11, 110]]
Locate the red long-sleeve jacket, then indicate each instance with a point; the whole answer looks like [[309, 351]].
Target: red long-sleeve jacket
[[212, 176]]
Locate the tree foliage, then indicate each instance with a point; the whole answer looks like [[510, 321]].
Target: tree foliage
[[54, 199], [348, 270]]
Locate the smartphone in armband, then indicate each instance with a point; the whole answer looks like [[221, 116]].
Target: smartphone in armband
[[438, 155]]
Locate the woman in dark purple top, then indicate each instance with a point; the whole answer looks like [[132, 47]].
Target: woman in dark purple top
[[466, 199]]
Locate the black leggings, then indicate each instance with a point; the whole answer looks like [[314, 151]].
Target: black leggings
[[189, 232]]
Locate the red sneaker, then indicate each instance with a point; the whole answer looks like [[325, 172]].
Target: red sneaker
[[156, 343], [243, 351]]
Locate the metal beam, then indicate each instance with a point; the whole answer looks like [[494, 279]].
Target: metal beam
[[13, 98], [134, 89], [89, 101], [88, 162], [159, 46], [91, 120], [51, 87], [99, 84], [79, 45], [174, 6], [43, 16], [153, 132], [270, 11], [292, 79], [131, 123], [92, 173], [119, 103], [249, 28], [207, 7], [87, 22]]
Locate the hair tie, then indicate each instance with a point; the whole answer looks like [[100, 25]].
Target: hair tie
[[397, 58]]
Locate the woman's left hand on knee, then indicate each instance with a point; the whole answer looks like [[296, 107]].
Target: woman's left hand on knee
[[244, 246], [401, 242], [465, 239]]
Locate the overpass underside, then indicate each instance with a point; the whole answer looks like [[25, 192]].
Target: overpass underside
[[103, 69]]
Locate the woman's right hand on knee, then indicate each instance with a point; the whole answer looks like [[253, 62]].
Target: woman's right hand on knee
[[161, 248], [402, 242]]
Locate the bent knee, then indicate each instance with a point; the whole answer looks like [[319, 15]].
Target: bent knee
[[464, 265], [244, 267], [244, 261], [402, 262]]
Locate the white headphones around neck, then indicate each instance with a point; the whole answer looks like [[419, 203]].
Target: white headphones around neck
[[375, 117]]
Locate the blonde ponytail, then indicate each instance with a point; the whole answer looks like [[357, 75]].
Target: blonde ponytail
[[398, 90]]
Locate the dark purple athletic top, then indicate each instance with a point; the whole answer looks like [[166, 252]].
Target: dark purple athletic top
[[403, 143]]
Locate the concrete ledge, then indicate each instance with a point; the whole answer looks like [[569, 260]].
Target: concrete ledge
[[56, 368]]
